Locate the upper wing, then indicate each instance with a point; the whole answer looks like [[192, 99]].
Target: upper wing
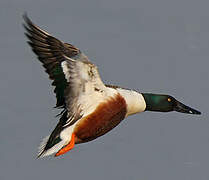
[[51, 52], [85, 85]]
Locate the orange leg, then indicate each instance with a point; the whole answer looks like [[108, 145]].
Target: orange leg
[[68, 147]]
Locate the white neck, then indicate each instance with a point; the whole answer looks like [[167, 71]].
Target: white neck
[[134, 100]]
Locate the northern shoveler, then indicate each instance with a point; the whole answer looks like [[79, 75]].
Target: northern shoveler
[[90, 107]]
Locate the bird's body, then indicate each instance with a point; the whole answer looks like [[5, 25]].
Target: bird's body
[[90, 108]]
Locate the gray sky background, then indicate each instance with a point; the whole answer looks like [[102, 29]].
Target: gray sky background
[[159, 46]]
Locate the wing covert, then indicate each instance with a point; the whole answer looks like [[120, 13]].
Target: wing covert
[[84, 82]]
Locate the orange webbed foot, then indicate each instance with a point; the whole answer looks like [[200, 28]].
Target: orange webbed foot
[[68, 147]]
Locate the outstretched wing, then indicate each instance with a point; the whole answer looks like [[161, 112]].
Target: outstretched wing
[[51, 52], [82, 96]]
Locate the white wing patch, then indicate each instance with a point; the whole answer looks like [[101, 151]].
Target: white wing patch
[[87, 90], [82, 72], [65, 70]]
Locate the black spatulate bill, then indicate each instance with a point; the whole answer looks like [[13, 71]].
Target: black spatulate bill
[[180, 107]]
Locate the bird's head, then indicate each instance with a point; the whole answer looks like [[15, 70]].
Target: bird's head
[[166, 103]]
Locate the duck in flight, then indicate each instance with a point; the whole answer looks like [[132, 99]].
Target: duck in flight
[[90, 108]]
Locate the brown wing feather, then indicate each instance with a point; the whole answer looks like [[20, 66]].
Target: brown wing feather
[[50, 52]]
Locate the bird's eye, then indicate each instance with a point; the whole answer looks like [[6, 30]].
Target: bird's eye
[[169, 99]]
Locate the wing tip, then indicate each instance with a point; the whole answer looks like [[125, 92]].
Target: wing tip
[[25, 16], [43, 151], [27, 21], [29, 25], [41, 148]]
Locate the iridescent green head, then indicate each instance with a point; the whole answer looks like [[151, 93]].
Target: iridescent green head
[[166, 103]]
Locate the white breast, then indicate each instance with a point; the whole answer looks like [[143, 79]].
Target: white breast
[[134, 100]]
